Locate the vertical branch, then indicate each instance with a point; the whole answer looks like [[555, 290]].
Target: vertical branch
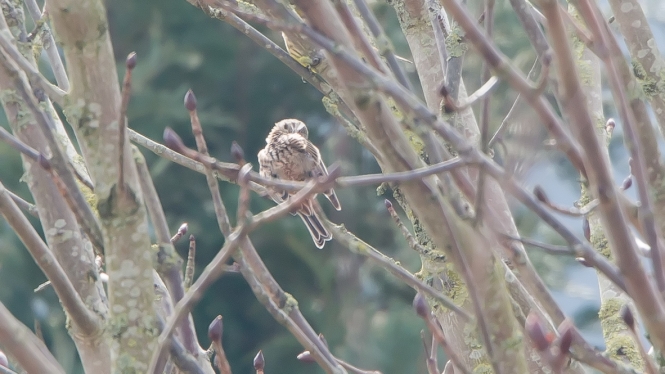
[[93, 113], [32, 125], [612, 298], [648, 62], [647, 299]]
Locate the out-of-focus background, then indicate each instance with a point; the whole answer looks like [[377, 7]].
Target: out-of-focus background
[[365, 315]]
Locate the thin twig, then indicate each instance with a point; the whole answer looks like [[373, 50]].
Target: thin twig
[[423, 310], [209, 275], [168, 261], [215, 332], [54, 92], [383, 43], [23, 345], [410, 239], [430, 352], [358, 246], [191, 263], [130, 63], [509, 116], [26, 206], [70, 198], [51, 48]]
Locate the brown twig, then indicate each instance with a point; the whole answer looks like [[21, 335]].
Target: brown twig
[[191, 263], [423, 311], [26, 206], [34, 76], [383, 43], [130, 63], [209, 275], [430, 352], [168, 261], [79, 209], [215, 332], [259, 362], [23, 345], [410, 239], [182, 231], [629, 320], [49, 45], [355, 245]]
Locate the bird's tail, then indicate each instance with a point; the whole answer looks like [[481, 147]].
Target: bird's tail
[[316, 229]]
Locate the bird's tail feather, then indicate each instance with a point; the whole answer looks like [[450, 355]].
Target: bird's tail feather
[[316, 229], [332, 197]]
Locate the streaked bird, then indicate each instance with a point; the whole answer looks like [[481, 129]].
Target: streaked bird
[[289, 155]]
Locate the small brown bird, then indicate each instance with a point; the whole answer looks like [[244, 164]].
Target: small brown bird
[[289, 155]]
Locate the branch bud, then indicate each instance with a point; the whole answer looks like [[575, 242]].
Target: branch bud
[[190, 100], [609, 126], [627, 183], [259, 361], [216, 329], [306, 357], [586, 228], [323, 339], [237, 152], [130, 63], [536, 332], [627, 316], [420, 305], [540, 194], [566, 333], [172, 140]]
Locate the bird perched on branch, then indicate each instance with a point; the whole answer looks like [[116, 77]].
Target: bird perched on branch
[[289, 155]]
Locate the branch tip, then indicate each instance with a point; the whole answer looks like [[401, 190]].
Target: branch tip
[[540, 195], [627, 316], [627, 183], [420, 305], [584, 262], [130, 63], [566, 340], [173, 140], [610, 125], [323, 339], [216, 329], [536, 332], [306, 357], [190, 100], [259, 361], [237, 152]]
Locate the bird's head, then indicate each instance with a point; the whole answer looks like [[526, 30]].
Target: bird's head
[[288, 126]]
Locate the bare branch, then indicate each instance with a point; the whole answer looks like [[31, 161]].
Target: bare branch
[[21, 343]]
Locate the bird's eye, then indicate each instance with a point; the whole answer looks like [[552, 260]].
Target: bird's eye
[[315, 61], [274, 176]]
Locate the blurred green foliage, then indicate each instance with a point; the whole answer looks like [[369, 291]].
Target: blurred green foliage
[[242, 90]]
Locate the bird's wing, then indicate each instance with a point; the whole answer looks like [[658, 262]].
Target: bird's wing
[[321, 171], [265, 170]]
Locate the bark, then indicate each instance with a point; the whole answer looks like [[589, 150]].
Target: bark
[[92, 109]]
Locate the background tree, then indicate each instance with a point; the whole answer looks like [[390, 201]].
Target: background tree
[[97, 210]]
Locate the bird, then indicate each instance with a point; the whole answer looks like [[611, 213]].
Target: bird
[[289, 155]]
